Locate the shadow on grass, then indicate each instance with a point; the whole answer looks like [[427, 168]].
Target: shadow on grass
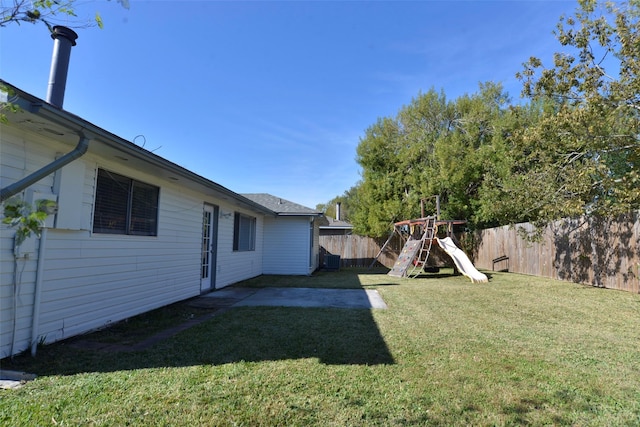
[[447, 275], [246, 334], [333, 336], [436, 275]]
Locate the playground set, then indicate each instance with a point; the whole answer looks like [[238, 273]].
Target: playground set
[[419, 236]]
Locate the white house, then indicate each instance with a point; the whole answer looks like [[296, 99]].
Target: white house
[[290, 238], [133, 231]]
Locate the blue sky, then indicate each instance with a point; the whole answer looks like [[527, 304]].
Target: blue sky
[[273, 97]]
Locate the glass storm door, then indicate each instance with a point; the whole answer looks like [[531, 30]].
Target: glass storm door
[[209, 245]]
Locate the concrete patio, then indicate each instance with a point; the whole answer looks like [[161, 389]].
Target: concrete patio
[[297, 297]]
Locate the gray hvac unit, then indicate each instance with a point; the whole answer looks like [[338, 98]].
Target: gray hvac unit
[[332, 262]]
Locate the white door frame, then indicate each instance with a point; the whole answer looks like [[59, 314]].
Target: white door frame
[[209, 247]]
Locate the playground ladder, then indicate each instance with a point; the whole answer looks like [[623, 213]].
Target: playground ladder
[[429, 233]]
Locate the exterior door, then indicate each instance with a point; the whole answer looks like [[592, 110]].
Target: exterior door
[[209, 246]]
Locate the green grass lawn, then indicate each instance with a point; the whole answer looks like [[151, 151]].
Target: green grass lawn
[[519, 350]]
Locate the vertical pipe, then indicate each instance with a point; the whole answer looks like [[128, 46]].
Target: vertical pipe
[[64, 38], [35, 319], [437, 207]]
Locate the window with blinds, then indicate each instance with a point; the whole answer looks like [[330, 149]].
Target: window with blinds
[[244, 232], [125, 206]]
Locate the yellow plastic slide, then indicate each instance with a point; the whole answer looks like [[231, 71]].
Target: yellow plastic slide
[[462, 261]]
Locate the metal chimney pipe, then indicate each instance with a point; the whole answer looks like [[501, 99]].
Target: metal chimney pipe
[[338, 211], [64, 39]]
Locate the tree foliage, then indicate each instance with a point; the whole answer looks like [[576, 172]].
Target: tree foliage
[[47, 12], [27, 219], [346, 200], [585, 149], [432, 147], [572, 149]]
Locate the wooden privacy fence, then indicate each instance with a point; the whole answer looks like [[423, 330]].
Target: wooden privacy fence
[[360, 251], [603, 252]]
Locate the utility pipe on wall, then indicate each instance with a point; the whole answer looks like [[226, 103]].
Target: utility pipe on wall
[[35, 319], [63, 40]]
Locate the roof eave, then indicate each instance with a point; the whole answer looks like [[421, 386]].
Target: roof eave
[[316, 214], [41, 108]]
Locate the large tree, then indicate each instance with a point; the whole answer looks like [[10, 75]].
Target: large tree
[[572, 149], [396, 156], [433, 147], [583, 155], [473, 146]]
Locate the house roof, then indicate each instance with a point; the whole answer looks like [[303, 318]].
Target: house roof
[[281, 206], [331, 223], [67, 128]]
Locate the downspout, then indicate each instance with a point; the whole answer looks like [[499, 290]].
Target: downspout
[[16, 187], [35, 319]]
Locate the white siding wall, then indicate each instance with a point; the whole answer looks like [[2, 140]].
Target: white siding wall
[[91, 280], [20, 155], [316, 245], [94, 279], [286, 247], [233, 266]]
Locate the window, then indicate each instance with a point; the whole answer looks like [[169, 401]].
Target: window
[[125, 206], [244, 232]]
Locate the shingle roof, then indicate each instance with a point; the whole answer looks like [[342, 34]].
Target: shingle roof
[[327, 222], [280, 205]]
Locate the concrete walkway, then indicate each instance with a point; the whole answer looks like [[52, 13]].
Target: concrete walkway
[[14, 379], [300, 297]]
